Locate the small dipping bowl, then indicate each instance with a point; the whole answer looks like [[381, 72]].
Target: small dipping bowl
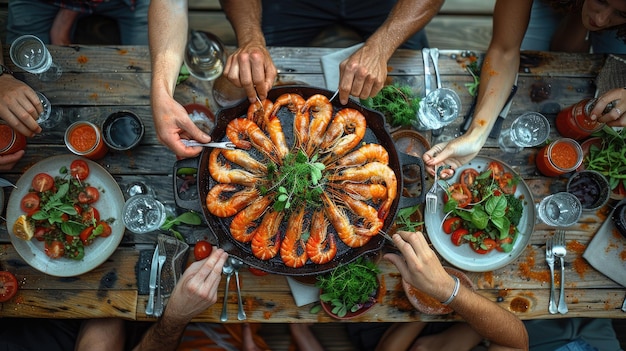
[[122, 130], [591, 188]]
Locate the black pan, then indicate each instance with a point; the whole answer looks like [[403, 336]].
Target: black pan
[[376, 133]]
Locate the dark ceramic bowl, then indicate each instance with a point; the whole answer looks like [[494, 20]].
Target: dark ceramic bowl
[[591, 188], [122, 130]]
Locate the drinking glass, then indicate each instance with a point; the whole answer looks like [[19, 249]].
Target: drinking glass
[[50, 117], [143, 214], [31, 55], [559, 210], [204, 55], [529, 129], [438, 109]]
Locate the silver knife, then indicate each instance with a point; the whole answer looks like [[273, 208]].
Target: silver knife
[[497, 126], [153, 281], [426, 59]]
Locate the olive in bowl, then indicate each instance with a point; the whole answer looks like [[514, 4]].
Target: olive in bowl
[[591, 188], [619, 218]]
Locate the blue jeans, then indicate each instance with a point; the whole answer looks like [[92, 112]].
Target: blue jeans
[[298, 22], [35, 17], [544, 22]]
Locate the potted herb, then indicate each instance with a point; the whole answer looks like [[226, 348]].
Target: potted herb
[[350, 289]]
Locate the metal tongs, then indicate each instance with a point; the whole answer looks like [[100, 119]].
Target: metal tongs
[[219, 145]]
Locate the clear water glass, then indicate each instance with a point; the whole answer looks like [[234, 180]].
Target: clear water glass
[[204, 55], [143, 214], [31, 55], [49, 117], [559, 210], [529, 129], [438, 109]]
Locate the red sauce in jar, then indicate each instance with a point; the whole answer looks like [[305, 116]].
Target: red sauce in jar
[[85, 139], [574, 122], [561, 156], [11, 141]]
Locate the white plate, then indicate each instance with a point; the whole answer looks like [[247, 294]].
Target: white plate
[[463, 256], [109, 205]]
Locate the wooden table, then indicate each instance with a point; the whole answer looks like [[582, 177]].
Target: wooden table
[[115, 78]]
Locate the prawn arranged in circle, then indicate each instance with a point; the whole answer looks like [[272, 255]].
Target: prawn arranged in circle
[[347, 204]]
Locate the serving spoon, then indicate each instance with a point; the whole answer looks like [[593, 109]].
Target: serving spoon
[[228, 270]]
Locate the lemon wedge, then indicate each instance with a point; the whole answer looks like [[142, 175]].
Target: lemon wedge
[[23, 229]]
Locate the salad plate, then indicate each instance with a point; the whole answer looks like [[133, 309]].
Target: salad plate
[[463, 256], [109, 205]]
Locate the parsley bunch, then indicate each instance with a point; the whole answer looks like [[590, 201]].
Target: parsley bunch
[[397, 103], [349, 287]]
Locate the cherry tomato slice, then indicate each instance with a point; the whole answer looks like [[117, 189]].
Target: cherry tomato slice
[[496, 169], [451, 224], [460, 193], [79, 169], [8, 286], [202, 250], [457, 236], [468, 176], [89, 196], [85, 236], [508, 183], [30, 203], [502, 245], [54, 249], [483, 246], [106, 229], [90, 216], [42, 182]]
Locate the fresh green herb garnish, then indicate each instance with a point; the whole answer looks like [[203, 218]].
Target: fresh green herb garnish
[[190, 218], [610, 158], [298, 180], [474, 70], [404, 221], [349, 287], [397, 103]]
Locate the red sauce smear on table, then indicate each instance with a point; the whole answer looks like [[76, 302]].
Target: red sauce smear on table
[[563, 155], [520, 304], [622, 255], [580, 265], [82, 59], [83, 138], [525, 269]]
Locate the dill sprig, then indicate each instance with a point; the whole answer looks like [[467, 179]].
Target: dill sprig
[[397, 103], [298, 180]]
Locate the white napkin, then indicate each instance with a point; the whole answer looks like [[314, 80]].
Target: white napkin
[[303, 294], [603, 252], [330, 65]]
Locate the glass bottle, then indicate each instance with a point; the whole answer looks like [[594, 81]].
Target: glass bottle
[[575, 122], [204, 55]]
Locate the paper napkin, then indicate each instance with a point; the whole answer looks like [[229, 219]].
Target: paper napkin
[[603, 252], [330, 65], [303, 294]]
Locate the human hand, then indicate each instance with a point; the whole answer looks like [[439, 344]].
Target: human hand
[[8, 161], [362, 74], [251, 67], [172, 123], [454, 153], [60, 32], [19, 105], [419, 265], [616, 117], [196, 289]]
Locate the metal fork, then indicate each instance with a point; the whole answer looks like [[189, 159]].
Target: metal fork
[[560, 252], [431, 196], [158, 307], [220, 145], [550, 260]]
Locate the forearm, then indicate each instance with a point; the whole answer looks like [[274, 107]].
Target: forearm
[[167, 31], [245, 18], [163, 335], [489, 320], [406, 18]]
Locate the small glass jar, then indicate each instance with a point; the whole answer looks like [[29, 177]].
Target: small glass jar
[[85, 139], [574, 122], [11, 141], [559, 157]]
